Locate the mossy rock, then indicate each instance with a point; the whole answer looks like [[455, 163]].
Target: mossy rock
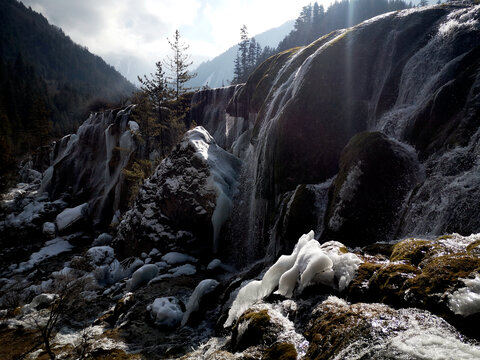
[[335, 326], [439, 275], [376, 174], [280, 351], [387, 284], [414, 250], [253, 328], [358, 289], [474, 248], [114, 354]]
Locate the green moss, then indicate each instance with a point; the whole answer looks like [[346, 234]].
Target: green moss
[[280, 351], [440, 274], [343, 250], [387, 284], [445, 237], [473, 247], [357, 289], [337, 326], [414, 251]]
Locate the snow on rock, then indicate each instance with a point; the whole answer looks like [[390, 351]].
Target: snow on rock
[[466, 300], [100, 255], [110, 273], [309, 263], [70, 216], [166, 311], [103, 239], [42, 300], [133, 125], [187, 269], [203, 288], [49, 229], [196, 181], [174, 258], [142, 276], [51, 248]]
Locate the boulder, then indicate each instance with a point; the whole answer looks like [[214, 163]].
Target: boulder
[[185, 202]]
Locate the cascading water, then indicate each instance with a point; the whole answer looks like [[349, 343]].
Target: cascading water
[[315, 99]]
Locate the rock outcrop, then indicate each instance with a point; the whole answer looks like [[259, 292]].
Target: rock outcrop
[[185, 202]]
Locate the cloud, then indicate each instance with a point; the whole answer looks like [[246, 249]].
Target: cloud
[[139, 29]]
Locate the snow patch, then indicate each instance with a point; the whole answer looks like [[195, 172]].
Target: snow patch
[[466, 301], [99, 255], [166, 311], [51, 248], [71, 215]]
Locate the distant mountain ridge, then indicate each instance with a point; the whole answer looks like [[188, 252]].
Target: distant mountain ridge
[[54, 55], [48, 83], [219, 71]]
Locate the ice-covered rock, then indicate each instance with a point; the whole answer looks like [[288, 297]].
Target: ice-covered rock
[[174, 257], [166, 311], [142, 276], [52, 248], [186, 269], [186, 201], [100, 255], [68, 217], [49, 229], [203, 288], [103, 239]]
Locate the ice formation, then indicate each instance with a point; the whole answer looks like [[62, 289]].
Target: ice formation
[[466, 300], [165, 311], [173, 258], [203, 288], [223, 175], [142, 276], [309, 263], [100, 255], [70, 215]]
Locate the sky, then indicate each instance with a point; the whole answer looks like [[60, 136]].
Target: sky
[[132, 34]]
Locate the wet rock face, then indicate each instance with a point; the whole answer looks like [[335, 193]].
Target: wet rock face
[[208, 109], [176, 207], [376, 174], [88, 165]]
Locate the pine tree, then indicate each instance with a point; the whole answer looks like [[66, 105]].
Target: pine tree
[[237, 70], [155, 96], [252, 55], [178, 65], [243, 47]]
